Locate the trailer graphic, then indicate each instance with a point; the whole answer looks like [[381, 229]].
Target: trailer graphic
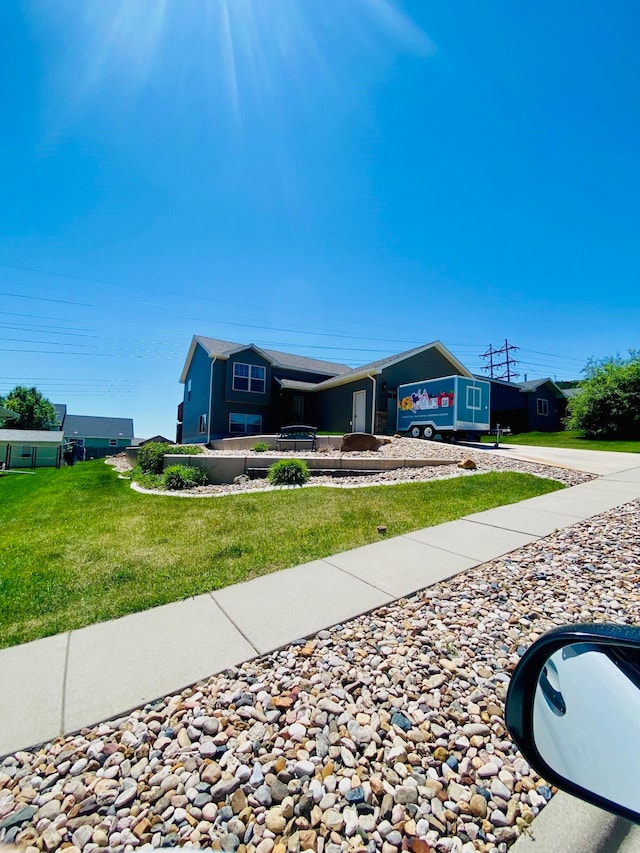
[[449, 406]]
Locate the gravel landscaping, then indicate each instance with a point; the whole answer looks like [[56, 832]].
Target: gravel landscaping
[[385, 733], [398, 448]]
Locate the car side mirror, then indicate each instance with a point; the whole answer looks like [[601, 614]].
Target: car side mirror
[[573, 710]]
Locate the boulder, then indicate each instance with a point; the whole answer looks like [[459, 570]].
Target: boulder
[[468, 464], [359, 441]]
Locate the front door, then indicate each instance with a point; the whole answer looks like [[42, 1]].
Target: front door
[[359, 411]]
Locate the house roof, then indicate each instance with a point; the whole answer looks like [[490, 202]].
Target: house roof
[[8, 413], [376, 367], [216, 348], [31, 436], [571, 392], [61, 411], [87, 426], [534, 384], [526, 387], [296, 384]]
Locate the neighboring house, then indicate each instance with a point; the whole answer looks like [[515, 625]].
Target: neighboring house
[[61, 413], [538, 404], [99, 436], [30, 448], [161, 439], [242, 389], [7, 414]]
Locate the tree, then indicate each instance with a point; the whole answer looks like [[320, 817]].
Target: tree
[[34, 411], [608, 405]]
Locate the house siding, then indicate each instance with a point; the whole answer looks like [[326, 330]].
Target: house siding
[[556, 410], [198, 403], [334, 406]]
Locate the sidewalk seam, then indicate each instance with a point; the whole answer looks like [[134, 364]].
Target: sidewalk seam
[[393, 595], [237, 627], [63, 704]]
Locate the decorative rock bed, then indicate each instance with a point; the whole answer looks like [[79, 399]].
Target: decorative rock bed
[[385, 733], [418, 460]]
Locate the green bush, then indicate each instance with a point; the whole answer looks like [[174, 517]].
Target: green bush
[[608, 405], [178, 477], [260, 447], [150, 456], [288, 472]]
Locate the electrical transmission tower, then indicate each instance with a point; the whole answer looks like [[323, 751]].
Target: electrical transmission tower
[[501, 369]]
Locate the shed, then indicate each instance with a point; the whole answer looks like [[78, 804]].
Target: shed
[[30, 448]]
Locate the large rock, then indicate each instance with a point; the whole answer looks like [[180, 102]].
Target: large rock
[[468, 464], [360, 441]]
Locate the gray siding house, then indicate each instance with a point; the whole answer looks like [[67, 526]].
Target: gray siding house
[[241, 389]]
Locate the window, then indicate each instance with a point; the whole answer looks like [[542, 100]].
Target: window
[[474, 397], [202, 425], [248, 377], [543, 406], [245, 424], [188, 389], [113, 442], [26, 451]]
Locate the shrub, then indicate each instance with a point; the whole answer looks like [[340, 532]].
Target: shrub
[[288, 472], [178, 477], [608, 404], [260, 447], [150, 456]]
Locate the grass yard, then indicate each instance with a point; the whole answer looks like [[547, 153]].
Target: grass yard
[[78, 546], [571, 439]]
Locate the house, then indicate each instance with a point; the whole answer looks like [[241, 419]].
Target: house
[[538, 404], [242, 389], [7, 414], [100, 436], [61, 413], [30, 448]]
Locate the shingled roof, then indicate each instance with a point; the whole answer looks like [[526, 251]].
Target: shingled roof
[[215, 347], [87, 426]]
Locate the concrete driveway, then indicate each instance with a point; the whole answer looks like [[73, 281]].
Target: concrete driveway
[[600, 462]]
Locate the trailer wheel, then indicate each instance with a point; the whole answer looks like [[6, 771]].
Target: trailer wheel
[[428, 431], [415, 432]]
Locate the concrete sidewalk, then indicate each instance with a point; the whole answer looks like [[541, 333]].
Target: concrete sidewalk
[[62, 683]]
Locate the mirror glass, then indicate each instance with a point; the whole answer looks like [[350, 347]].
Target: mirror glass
[[586, 719]]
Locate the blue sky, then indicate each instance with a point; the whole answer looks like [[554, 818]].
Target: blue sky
[[345, 179]]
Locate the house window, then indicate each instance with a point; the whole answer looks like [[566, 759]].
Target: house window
[[113, 442], [25, 451], [248, 377], [188, 389], [543, 406], [245, 424], [474, 398], [202, 424]]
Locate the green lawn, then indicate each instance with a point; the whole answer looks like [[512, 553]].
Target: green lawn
[[79, 546], [566, 438]]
